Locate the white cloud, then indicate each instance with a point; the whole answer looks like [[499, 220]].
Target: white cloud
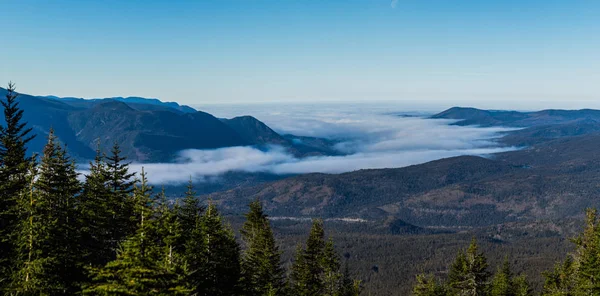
[[372, 136], [394, 3]]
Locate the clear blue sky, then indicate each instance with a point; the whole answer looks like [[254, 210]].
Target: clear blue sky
[[199, 52]]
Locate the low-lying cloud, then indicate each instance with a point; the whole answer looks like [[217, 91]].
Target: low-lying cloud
[[370, 137]]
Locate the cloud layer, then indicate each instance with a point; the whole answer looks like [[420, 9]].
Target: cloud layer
[[372, 137]]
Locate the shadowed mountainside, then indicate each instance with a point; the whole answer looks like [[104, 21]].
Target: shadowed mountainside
[[147, 130]]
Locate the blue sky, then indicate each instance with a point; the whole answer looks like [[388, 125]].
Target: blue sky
[[501, 54]]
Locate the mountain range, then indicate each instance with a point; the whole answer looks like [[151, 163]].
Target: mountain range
[[147, 130]]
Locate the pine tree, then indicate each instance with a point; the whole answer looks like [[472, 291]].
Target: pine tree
[[502, 281], [120, 182], [138, 269], [188, 213], [349, 286], [55, 194], [330, 262], [307, 270], [427, 286], [505, 283], [169, 232], [587, 256], [98, 244], [262, 272], [561, 281], [220, 260], [468, 274], [14, 166]]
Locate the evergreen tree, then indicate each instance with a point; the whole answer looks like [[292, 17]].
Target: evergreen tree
[[427, 286], [98, 245], [194, 257], [54, 199], [14, 166], [505, 283], [188, 214], [169, 232], [587, 256], [332, 277], [218, 271], [120, 183], [468, 274], [349, 286], [262, 272], [138, 269], [307, 270], [561, 281]]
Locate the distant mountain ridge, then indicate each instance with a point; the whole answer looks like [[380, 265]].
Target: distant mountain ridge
[[486, 118], [141, 103], [147, 130]]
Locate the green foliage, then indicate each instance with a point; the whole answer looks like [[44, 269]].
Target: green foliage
[[316, 268], [49, 256], [306, 271], [505, 283], [120, 183], [221, 256], [14, 166], [262, 273], [96, 215], [468, 274], [427, 286], [141, 268]]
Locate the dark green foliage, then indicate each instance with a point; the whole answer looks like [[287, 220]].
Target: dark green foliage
[[219, 266], [188, 213], [120, 183], [140, 267], [468, 274], [307, 270], [427, 286], [316, 268], [331, 277], [560, 280], [262, 273], [505, 283], [49, 239], [14, 164], [96, 215], [579, 274]]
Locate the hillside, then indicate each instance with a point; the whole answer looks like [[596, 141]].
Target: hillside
[[554, 180], [148, 130]]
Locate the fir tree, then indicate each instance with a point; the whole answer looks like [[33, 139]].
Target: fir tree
[[262, 272], [427, 286], [138, 269], [307, 270], [330, 263], [120, 183], [169, 232], [561, 281], [219, 264], [468, 274], [55, 243], [188, 214], [14, 165], [349, 286], [505, 283], [98, 245]]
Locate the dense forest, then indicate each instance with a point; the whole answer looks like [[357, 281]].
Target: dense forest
[[112, 234]]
